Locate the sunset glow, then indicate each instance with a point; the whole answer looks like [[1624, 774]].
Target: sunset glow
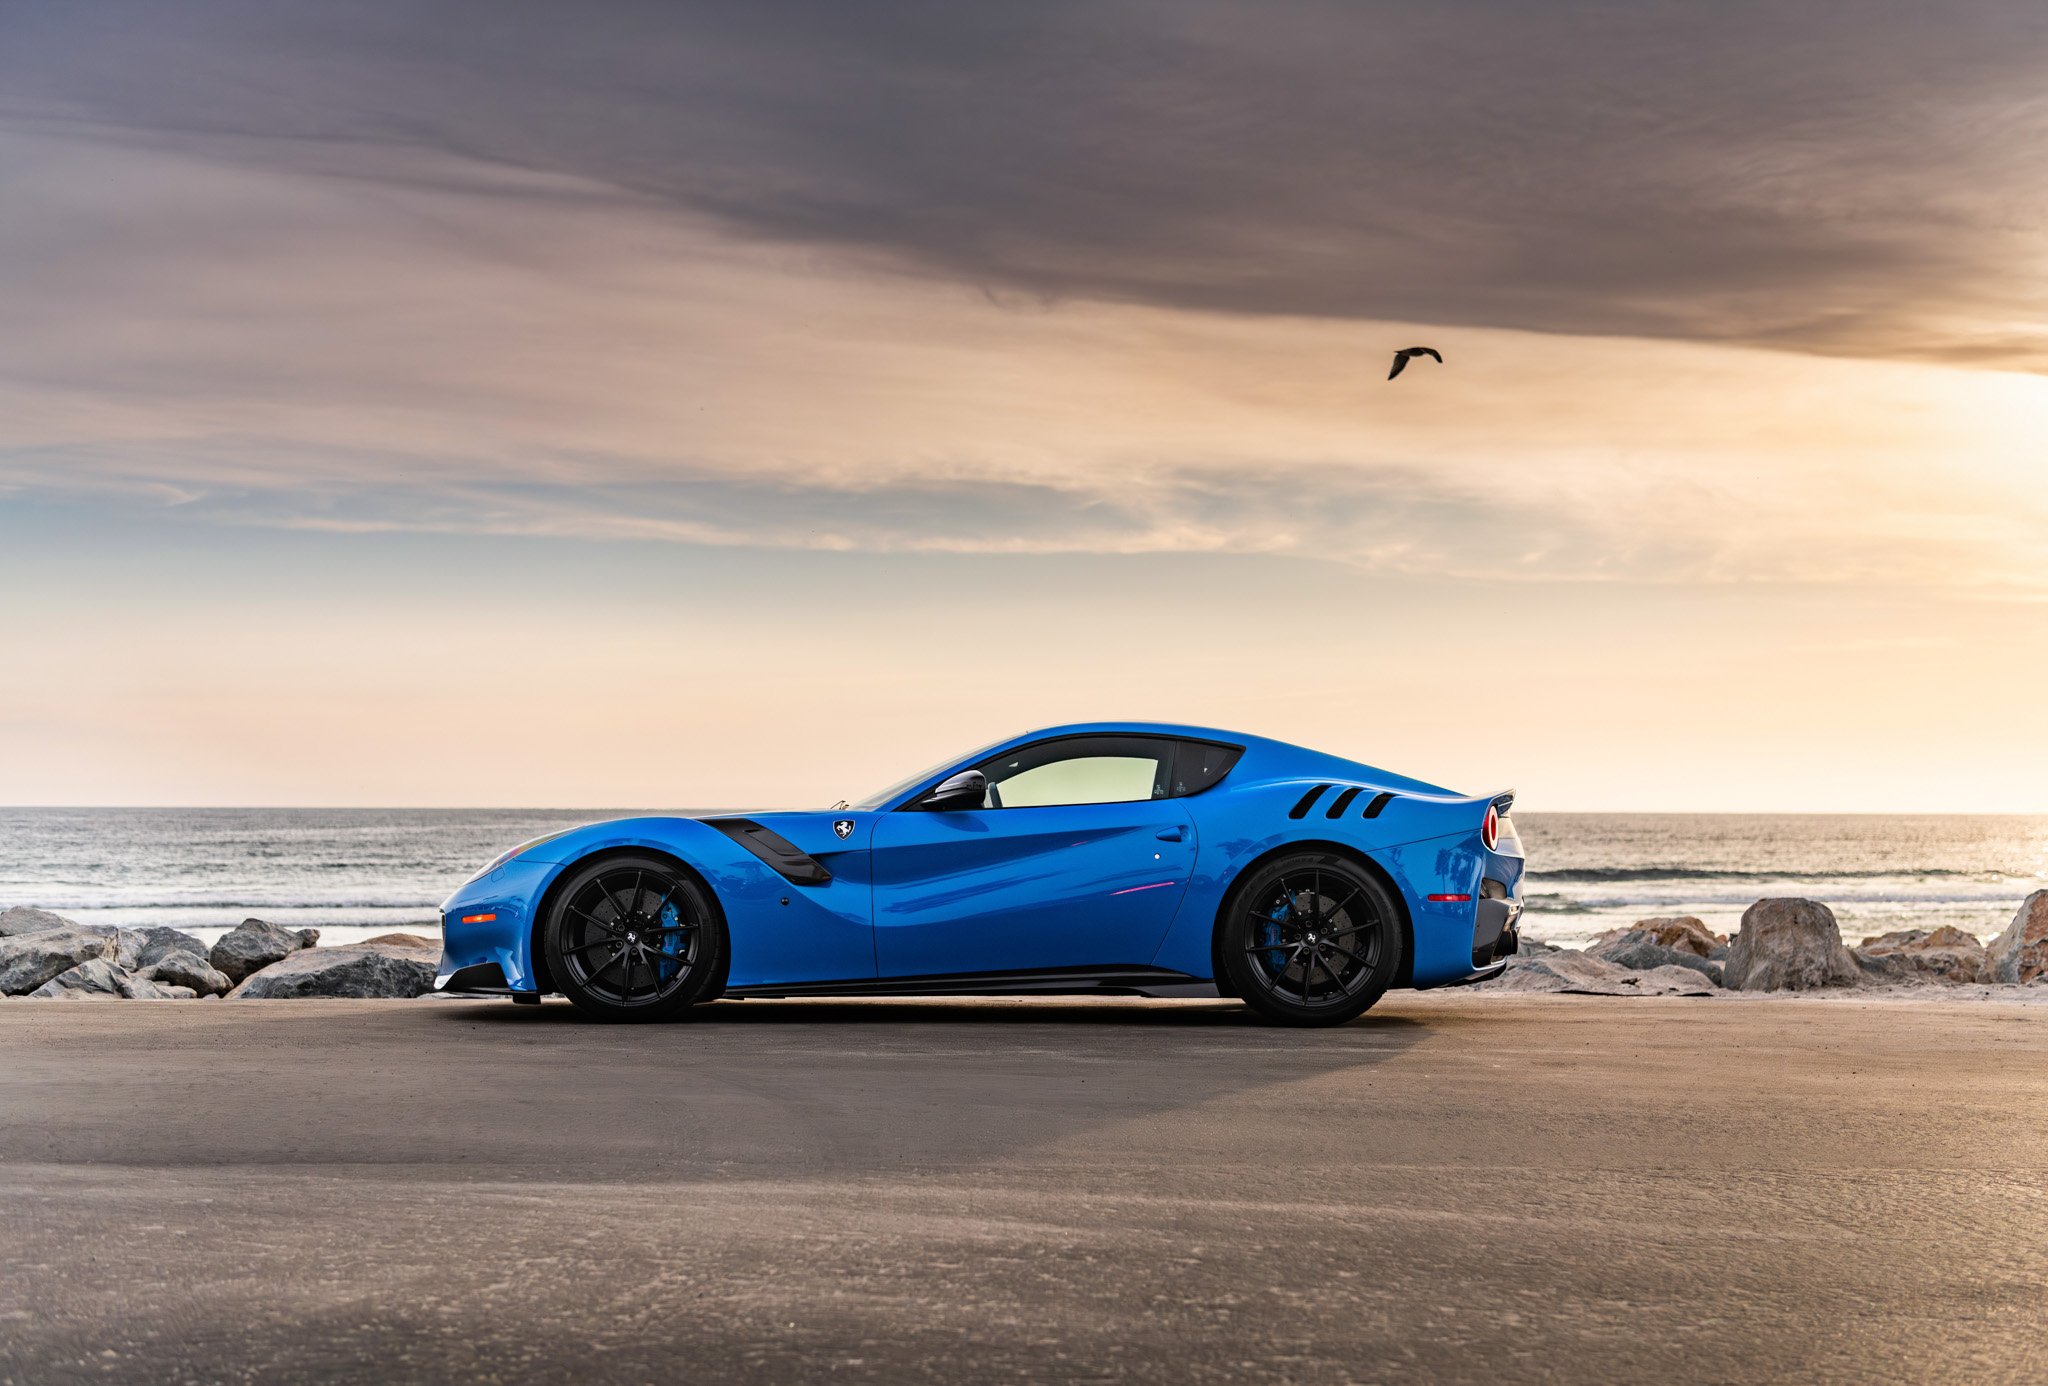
[[715, 449]]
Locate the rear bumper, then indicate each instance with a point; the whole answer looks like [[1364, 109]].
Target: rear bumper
[[1462, 903], [1495, 924]]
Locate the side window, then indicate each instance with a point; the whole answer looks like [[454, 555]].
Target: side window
[[1080, 770], [1201, 764]]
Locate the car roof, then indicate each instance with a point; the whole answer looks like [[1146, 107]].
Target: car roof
[[1139, 729]]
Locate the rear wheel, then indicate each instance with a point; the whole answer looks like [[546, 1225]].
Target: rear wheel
[[1310, 939], [634, 938]]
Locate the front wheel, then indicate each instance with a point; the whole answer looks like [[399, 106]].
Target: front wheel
[[634, 938], [1310, 939]]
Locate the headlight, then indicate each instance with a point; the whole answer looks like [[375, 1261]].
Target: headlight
[[504, 857]]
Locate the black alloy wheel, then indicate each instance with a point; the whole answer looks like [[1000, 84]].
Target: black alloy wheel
[[634, 938], [1310, 939]]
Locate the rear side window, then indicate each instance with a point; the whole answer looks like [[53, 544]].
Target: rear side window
[[1200, 764]]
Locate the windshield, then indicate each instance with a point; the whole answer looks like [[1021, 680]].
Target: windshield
[[878, 800]]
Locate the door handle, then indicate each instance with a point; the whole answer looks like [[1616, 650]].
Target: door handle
[[1168, 834]]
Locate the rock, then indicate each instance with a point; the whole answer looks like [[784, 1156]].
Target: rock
[[1681, 980], [190, 970], [253, 944], [2020, 954], [128, 943], [92, 978], [1788, 945], [1638, 949], [139, 988], [29, 960], [1563, 970], [353, 969], [401, 941], [1531, 947], [101, 978], [1921, 955], [1681, 932], [159, 941], [24, 920]]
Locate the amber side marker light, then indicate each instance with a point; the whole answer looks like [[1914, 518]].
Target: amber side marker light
[[478, 918], [1452, 899]]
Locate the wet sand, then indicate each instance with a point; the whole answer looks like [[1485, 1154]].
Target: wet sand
[[1456, 1187]]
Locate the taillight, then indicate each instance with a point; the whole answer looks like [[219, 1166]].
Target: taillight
[[1489, 831]]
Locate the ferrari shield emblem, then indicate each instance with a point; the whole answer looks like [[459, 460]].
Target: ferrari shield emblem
[[843, 826]]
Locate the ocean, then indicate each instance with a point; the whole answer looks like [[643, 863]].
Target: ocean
[[356, 872]]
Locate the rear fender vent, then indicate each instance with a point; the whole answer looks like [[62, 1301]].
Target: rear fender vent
[[1379, 801], [1306, 802]]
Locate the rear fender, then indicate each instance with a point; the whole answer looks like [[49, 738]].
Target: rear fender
[[1425, 843]]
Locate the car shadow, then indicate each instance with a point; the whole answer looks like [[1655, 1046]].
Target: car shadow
[[1108, 1011], [880, 1084]]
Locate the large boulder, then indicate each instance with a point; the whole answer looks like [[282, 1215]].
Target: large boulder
[[188, 969], [354, 970], [254, 944], [1639, 950], [2020, 954], [1788, 945], [1564, 970], [101, 978], [1680, 932], [1945, 954], [158, 942], [30, 959], [24, 919]]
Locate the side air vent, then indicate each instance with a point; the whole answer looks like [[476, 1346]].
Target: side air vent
[[1342, 802], [1307, 802], [1379, 801], [784, 857]]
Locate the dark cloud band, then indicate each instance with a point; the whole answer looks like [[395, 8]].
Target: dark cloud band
[[1854, 179]]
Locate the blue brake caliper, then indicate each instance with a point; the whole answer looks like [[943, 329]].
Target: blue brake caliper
[[1269, 934], [669, 920]]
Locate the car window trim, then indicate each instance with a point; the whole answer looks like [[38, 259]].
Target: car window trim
[[909, 802]]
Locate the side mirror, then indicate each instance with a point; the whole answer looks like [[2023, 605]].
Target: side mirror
[[966, 790]]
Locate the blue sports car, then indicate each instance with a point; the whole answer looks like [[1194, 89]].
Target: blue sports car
[[1109, 857]]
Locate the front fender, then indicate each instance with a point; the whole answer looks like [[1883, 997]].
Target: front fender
[[779, 931]]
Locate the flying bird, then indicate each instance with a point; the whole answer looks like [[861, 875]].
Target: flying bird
[[1407, 354]]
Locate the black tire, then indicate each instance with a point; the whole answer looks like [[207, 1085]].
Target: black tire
[[1309, 939], [635, 938]]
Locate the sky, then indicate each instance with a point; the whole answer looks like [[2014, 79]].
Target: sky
[[663, 405]]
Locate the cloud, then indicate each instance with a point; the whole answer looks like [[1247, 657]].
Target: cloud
[[1854, 180], [707, 281]]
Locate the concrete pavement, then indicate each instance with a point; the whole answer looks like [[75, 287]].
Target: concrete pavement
[[1454, 1188]]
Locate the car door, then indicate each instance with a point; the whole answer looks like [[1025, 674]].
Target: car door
[[1076, 859]]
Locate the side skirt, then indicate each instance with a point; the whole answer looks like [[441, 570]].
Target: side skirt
[[1054, 981]]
